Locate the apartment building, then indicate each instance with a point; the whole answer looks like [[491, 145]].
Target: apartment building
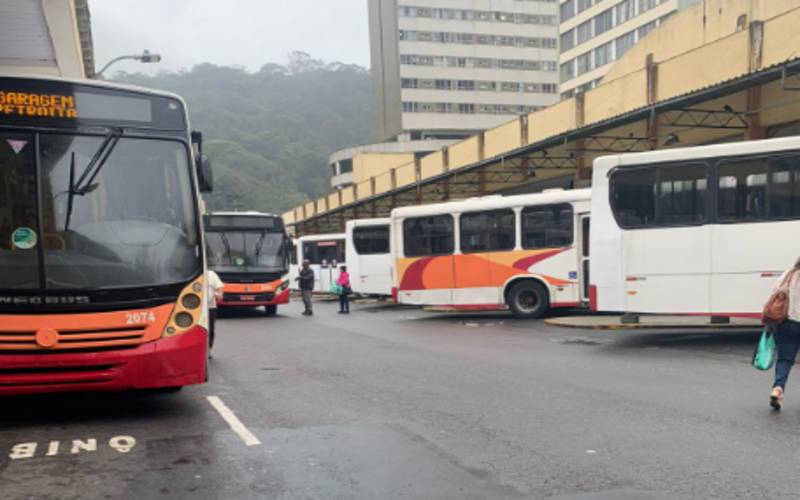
[[595, 33], [445, 69]]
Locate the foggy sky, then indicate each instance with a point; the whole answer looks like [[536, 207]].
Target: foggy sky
[[246, 33]]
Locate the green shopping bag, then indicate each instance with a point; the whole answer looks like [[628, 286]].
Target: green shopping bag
[[764, 355], [336, 289]]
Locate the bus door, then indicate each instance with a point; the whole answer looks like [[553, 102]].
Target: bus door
[[330, 257], [583, 257]]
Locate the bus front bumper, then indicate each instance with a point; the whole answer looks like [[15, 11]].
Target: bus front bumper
[[169, 362], [254, 300]]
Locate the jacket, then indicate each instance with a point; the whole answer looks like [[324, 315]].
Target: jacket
[[306, 279]]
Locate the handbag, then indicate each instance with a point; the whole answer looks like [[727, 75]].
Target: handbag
[[776, 310], [764, 355], [336, 289]]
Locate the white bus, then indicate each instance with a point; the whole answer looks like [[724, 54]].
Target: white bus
[[326, 252], [704, 230], [368, 258], [526, 252]]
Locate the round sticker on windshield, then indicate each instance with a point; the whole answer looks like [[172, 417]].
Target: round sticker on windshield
[[239, 261], [24, 238]]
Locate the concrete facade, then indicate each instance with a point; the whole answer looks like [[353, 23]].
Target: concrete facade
[[707, 59], [46, 37], [595, 33], [446, 69]]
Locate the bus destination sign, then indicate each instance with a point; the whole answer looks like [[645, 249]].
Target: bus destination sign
[[37, 105]]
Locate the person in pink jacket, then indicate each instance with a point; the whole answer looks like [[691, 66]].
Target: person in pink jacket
[[788, 333], [344, 298]]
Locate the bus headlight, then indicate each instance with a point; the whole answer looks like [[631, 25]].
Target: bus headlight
[[188, 310], [191, 301]]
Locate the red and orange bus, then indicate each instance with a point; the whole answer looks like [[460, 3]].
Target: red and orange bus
[[101, 244], [250, 253]]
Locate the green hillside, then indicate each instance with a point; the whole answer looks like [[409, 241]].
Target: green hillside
[[269, 133]]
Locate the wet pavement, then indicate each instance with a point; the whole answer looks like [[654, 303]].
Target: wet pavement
[[399, 403]]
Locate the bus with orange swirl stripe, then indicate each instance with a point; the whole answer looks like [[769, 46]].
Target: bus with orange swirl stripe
[[527, 253], [102, 264]]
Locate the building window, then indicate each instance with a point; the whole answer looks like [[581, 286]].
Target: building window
[[584, 63], [645, 5], [624, 43], [491, 231], [408, 83], [568, 70], [346, 166], [568, 40], [584, 32], [476, 39], [567, 10], [547, 226], [645, 29], [624, 11], [603, 54], [584, 4], [603, 22], [428, 236]]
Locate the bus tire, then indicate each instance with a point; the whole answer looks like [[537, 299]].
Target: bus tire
[[528, 300], [271, 310]]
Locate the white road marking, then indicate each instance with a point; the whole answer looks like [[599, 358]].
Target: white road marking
[[236, 424]]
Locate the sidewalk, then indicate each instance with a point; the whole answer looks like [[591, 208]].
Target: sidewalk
[[651, 322]]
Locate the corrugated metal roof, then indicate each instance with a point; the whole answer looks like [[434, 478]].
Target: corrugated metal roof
[[24, 37]]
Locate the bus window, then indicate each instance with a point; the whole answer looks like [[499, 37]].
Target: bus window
[[633, 197], [487, 231], [547, 226], [784, 188], [371, 240], [682, 194], [742, 190], [428, 236]]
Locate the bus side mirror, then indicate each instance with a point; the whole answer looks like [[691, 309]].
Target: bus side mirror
[[205, 174]]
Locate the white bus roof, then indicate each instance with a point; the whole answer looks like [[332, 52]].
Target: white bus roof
[[379, 221], [606, 163], [322, 237], [493, 202]]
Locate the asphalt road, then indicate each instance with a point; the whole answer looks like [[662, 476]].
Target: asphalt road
[[397, 403]]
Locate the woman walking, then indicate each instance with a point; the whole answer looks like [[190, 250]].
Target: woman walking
[[787, 336], [344, 298]]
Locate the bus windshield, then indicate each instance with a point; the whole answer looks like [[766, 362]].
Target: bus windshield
[[235, 250], [134, 226]]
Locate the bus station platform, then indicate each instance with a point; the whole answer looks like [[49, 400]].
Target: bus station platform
[[652, 321]]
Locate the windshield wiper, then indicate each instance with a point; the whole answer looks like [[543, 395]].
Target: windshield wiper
[[259, 244], [85, 184], [227, 244]]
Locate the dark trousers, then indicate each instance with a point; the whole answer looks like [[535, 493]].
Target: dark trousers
[[788, 340], [344, 302], [212, 318]]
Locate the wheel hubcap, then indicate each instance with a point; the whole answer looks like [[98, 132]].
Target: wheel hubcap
[[528, 300]]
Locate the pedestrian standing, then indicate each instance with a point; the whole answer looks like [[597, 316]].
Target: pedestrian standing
[[306, 280], [214, 288], [787, 335], [344, 297]]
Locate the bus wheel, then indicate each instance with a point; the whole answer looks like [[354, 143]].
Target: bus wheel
[[528, 300], [270, 310]]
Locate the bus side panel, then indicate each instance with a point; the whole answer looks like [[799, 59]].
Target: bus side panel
[[607, 276], [426, 280], [748, 260], [668, 277], [371, 275]]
